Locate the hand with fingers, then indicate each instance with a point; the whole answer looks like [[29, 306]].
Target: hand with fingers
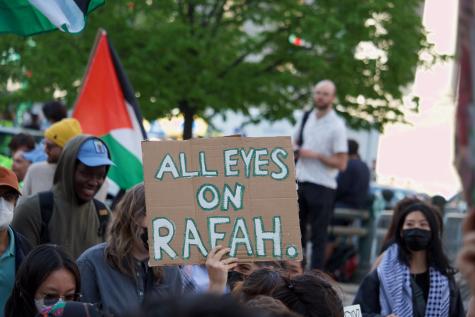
[[218, 268]]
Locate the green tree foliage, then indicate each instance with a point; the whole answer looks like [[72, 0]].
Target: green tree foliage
[[208, 56]]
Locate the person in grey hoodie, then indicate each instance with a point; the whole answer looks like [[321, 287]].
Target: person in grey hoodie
[[116, 274], [76, 220]]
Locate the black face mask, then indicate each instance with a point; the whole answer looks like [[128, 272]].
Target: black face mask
[[144, 238], [416, 239]]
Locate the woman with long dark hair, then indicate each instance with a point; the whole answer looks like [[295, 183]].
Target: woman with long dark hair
[[414, 277], [46, 279], [116, 274]]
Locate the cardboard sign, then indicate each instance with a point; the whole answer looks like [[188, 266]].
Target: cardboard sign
[[352, 311], [232, 191]]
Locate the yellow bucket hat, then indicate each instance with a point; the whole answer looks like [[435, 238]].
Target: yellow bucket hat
[[61, 132]]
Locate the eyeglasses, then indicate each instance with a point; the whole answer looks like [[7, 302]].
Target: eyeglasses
[[51, 299]]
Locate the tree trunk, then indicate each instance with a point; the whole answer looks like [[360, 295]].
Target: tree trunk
[[188, 114]]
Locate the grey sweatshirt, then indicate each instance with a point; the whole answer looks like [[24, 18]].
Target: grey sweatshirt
[[117, 292]]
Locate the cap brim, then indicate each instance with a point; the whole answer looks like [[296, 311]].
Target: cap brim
[[96, 161], [28, 157], [35, 158], [12, 187]]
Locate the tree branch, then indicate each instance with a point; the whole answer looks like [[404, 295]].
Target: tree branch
[[234, 64], [273, 65], [181, 10], [191, 15], [207, 17], [219, 17], [243, 56]]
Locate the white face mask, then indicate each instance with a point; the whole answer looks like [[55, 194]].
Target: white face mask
[[6, 212]]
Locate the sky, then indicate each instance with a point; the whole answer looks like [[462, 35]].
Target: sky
[[420, 156]]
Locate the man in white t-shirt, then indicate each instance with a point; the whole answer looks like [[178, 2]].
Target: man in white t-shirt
[[322, 147]]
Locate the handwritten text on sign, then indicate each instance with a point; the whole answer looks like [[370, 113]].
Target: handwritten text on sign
[[238, 192]]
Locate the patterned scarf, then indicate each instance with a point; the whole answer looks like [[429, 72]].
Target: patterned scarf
[[395, 293]]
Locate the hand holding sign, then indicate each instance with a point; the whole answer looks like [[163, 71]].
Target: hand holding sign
[[218, 268], [236, 192]]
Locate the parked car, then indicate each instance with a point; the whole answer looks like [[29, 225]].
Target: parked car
[[386, 197]]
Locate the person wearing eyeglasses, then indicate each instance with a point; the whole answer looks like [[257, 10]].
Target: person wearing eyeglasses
[[46, 280], [13, 246]]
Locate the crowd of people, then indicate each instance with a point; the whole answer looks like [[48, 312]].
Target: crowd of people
[[64, 252]]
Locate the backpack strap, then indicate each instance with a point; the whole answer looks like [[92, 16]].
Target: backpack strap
[[418, 300], [46, 208], [304, 121], [103, 215]]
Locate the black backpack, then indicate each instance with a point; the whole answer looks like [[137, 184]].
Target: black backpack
[[46, 208]]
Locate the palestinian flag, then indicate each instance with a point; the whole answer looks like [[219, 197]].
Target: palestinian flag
[[28, 17], [107, 108]]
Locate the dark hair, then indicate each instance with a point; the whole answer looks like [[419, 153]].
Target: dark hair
[[352, 147], [21, 140], [243, 270], [388, 195], [261, 282], [34, 270], [200, 305], [310, 295], [435, 254], [267, 306], [54, 111], [439, 202], [400, 206]]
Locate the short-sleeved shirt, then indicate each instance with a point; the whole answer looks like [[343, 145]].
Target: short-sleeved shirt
[[7, 271], [327, 136]]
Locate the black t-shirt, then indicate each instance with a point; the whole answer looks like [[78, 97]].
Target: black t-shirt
[[423, 281]]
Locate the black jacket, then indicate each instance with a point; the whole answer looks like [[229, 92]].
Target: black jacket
[[353, 185], [22, 248], [368, 297]]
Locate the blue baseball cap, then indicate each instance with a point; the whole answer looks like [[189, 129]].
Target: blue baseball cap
[[36, 155], [94, 153]]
